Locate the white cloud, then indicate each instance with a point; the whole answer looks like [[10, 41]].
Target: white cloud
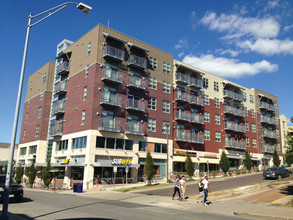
[[272, 4], [193, 14], [181, 44], [268, 47], [181, 54], [237, 26], [287, 28], [231, 68], [232, 53]]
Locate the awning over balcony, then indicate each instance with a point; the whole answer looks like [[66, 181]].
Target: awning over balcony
[[233, 84], [114, 38], [191, 68], [131, 45], [63, 53]]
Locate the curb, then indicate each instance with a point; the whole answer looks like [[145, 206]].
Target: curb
[[258, 216]]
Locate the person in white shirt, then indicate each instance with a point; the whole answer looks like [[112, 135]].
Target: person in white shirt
[[206, 189], [182, 186]]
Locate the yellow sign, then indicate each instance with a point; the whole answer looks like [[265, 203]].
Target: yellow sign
[[180, 152], [210, 155]]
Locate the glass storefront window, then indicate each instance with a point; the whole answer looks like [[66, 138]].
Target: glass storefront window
[[77, 173]]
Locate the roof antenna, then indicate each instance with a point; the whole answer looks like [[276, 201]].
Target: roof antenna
[[108, 23]]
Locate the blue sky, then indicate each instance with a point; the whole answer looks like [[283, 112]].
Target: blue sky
[[247, 42]]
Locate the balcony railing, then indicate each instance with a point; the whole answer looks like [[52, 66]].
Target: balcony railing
[[269, 120], [182, 78], [183, 116], [234, 127], [137, 83], [112, 75], [267, 148], [233, 95], [196, 118], [63, 68], [182, 136], [112, 100], [56, 130], [196, 82], [135, 104], [134, 128], [109, 125], [137, 61], [267, 106], [113, 52], [235, 144], [182, 96], [269, 134], [234, 111], [196, 138], [60, 87], [59, 107], [196, 100]]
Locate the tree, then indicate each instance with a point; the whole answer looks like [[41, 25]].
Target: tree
[[224, 163], [32, 174], [276, 158], [289, 158], [189, 166], [247, 162], [19, 174], [149, 168], [47, 175]]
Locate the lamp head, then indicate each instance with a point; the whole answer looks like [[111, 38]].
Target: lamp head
[[84, 8]]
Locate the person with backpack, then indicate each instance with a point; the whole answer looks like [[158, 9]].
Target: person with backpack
[[200, 189]]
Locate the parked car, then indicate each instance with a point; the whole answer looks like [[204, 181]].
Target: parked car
[[16, 189], [277, 173]]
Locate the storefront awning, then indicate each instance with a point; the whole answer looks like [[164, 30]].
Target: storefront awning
[[255, 159], [235, 157], [71, 164], [108, 164]]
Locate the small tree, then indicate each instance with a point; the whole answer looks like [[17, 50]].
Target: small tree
[[189, 166], [224, 163], [32, 174], [149, 168], [276, 158], [47, 175], [19, 174], [289, 158], [247, 162]]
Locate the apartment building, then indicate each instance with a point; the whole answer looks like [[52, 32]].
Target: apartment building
[[4, 154], [113, 98]]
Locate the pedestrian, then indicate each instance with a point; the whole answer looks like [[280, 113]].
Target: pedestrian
[[200, 189], [176, 188], [98, 183], [183, 187], [206, 188]]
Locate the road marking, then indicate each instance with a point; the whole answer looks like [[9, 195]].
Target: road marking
[[279, 199], [192, 218]]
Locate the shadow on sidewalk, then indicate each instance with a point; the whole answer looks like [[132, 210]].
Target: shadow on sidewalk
[[288, 190]]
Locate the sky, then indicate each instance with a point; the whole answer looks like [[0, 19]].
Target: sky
[[246, 42]]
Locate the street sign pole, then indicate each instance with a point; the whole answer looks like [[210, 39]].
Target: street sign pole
[[115, 171]]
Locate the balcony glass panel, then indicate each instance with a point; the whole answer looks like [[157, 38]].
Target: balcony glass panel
[[113, 52], [63, 68], [137, 61], [106, 124]]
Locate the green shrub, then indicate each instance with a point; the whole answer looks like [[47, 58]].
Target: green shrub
[[214, 173], [189, 166], [230, 172], [238, 172], [19, 174], [224, 163], [243, 171], [149, 168]]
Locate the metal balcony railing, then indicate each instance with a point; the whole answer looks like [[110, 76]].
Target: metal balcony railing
[[233, 95], [134, 128], [268, 120], [109, 125], [182, 78], [182, 136], [182, 96], [267, 148], [196, 100], [137, 61], [56, 130], [113, 52], [267, 106], [135, 104], [112, 100], [196, 82], [239, 128], [196, 118], [269, 134], [59, 107], [63, 68], [183, 116], [60, 87], [196, 138], [235, 144], [136, 82], [112, 75], [234, 111]]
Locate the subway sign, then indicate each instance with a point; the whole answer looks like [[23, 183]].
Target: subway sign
[[116, 162]]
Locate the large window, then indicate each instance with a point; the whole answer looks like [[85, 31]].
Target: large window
[[206, 99], [166, 87], [114, 143], [160, 148], [166, 106], [32, 149], [216, 86], [22, 151], [142, 146], [205, 83], [206, 134], [206, 117], [79, 142], [37, 130], [218, 136], [217, 119], [62, 145], [166, 67], [153, 83], [152, 125], [152, 103], [153, 63], [217, 103]]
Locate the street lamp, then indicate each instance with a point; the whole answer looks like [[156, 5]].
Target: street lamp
[[85, 9]]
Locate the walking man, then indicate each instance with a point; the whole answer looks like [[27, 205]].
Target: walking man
[[176, 188], [200, 189], [183, 186], [206, 188]]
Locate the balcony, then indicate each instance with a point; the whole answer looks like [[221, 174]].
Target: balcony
[[267, 148], [196, 118], [60, 87], [59, 107], [109, 125], [234, 111], [136, 105], [182, 96], [113, 76], [134, 128], [267, 106], [196, 138], [235, 144], [111, 100], [56, 130], [113, 52], [269, 134], [196, 100], [62, 68], [182, 78], [182, 136], [233, 95], [234, 127], [137, 61], [197, 83], [268, 120], [182, 116], [136, 83]]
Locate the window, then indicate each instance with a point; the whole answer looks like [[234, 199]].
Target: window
[[166, 87], [44, 77], [246, 126], [217, 103], [247, 141], [166, 127], [166, 68], [40, 112], [128, 145], [84, 93], [79, 142], [206, 134], [217, 119], [142, 146], [205, 83], [32, 149], [251, 99], [206, 117], [152, 104], [206, 99], [42, 95], [245, 110], [26, 116], [253, 127], [254, 142], [62, 145], [160, 148], [82, 117], [152, 125], [252, 113], [218, 136], [166, 106], [153, 63], [87, 71], [37, 130], [22, 151], [216, 86], [89, 48], [153, 83], [24, 133], [31, 86], [244, 96]]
